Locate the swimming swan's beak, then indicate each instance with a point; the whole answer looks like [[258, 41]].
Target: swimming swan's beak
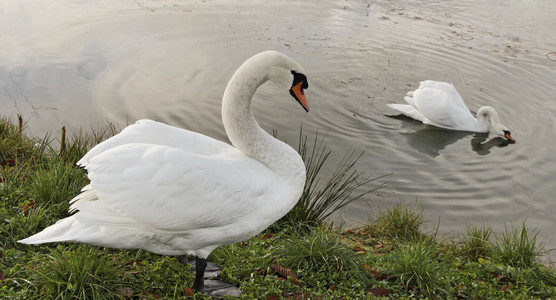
[[297, 92], [508, 135]]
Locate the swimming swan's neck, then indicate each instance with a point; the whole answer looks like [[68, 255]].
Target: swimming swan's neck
[[486, 117]]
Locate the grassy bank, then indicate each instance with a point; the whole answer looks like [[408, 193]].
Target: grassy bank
[[300, 257]]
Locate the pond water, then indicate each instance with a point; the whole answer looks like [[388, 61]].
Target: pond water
[[81, 63]]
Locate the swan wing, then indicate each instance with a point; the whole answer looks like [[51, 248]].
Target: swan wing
[[442, 105], [408, 110], [152, 132], [170, 190]]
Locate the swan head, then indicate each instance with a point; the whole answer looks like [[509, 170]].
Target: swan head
[[489, 116], [289, 75]]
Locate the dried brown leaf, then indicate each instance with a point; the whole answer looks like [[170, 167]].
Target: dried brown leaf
[[7, 163], [380, 292], [352, 231], [267, 236], [377, 274], [502, 277], [358, 250], [28, 207], [285, 272]]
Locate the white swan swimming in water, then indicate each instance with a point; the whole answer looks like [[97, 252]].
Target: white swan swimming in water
[[175, 192], [439, 104]]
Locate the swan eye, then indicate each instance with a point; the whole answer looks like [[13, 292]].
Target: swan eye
[[297, 78]]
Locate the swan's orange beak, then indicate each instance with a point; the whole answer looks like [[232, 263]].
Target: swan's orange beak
[[509, 136], [297, 92]]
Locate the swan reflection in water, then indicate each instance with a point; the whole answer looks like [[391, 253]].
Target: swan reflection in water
[[431, 140], [479, 145]]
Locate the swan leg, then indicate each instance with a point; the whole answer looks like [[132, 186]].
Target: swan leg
[[213, 288], [200, 266]]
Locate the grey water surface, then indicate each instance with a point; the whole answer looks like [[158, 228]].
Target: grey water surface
[[82, 63]]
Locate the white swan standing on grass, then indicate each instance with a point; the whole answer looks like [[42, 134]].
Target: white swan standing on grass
[[175, 192], [439, 104]]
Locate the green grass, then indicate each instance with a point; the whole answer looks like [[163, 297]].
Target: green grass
[[322, 199], [417, 266], [390, 254], [517, 247], [319, 250], [55, 183], [398, 221], [12, 143], [476, 244], [81, 273]]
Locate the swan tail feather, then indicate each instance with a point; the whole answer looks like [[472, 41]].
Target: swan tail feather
[[59, 232], [88, 226]]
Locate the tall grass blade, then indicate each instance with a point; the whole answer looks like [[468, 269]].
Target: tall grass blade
[[321, 199]]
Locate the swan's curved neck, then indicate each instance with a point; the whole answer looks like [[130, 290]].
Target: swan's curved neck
[[241, 127], [482, 123], [243, 130]]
